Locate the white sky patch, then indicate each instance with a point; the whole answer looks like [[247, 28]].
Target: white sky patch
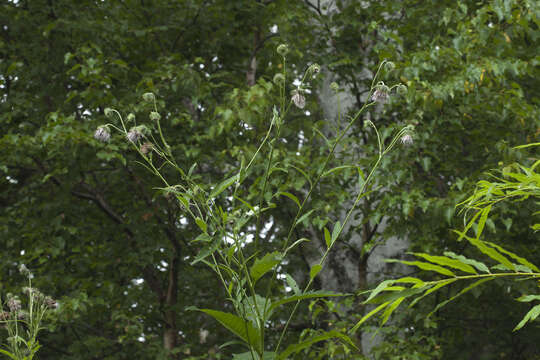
[[201, 66], [141, 338], [11, 180], [307, 113], [137, 281]]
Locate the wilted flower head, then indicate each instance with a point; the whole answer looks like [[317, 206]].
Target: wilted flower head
[[13, 303], [102, 134], [381, 93], [406, 139], [134, 135], [146, 148], [154, 116], [279, 79], [148, 97], [282, 49], [50, 303], [298, 99], [4, 315]]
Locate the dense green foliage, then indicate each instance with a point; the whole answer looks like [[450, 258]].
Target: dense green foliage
[[87, 219]]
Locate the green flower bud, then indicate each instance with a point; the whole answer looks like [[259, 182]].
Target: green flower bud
[[389, 66], [154, 116], [334, 86], [148, 97], [401, 89], [279, 79], [315, 68], [131, 117], [108, 112], [282, 49]]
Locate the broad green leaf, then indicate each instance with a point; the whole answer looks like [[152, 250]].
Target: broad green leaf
[[473, 285], [308, 295], [489, 251], [294, 348], [315, 269], [241, 328], [530, 316], [262, 266], [327, 237], [477, 264], [367, 316], [443, 260], [519, 259], [290, 196], [424, 266], [223, 186]]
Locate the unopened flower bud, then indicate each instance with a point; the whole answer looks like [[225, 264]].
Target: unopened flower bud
[[298, 99], [389, 66], [334, 86], [131, 117], [134, 135], [154, 116], [381, 93], [50, 303], [14, 304], [279, 79], [406, 139], [108, 112], [282, 49], [315, 68], [401, 89], [148, 97]]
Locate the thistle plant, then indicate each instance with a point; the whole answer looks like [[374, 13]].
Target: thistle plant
[[224, 229], [24, 324]]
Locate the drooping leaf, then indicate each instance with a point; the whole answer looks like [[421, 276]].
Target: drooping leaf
[[290, 196], [530, 316], [262, 266], [294, 348], [519, 259], [223, 186], [431, 290], [367, 316], [477, 264], [424, 266], [489, 251], [443, 260]]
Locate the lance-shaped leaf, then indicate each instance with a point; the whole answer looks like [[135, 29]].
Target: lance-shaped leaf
[[308, 295], [367, 316], [443, 260], [241, 328], [430, 290], [489, 251], [463, 291], [477, 264], [223, 186], [425, 266], [530, 316], [290, 196], [519, 259], [294, 348], [262, 266]]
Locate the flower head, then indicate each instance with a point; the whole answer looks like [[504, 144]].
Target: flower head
[[148, 96], [279, 79], [13, 303], [134, 135], [146, 148], [314, 68], [389, 66], [108, 112], [50, 303], [154, 116], [131, 117], [298, 99], [406, 139], [282, 49], [102, 134], [381, 93]]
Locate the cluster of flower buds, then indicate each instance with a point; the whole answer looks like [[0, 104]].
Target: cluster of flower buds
[[13, 303], [25, 271], [381, 93]]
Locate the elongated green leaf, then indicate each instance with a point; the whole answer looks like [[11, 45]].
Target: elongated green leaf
[[395, 292], [304, 217], [290, 196], [241, 328], [338, 168], [262, 266], [267, 355], [327, 237], [294, 348], [519, 259], [201, 224], [463, 291], [469, 224], [431, 290], [527, 145], [367, 316], [295, 243], [336, 231], [530, 316], [390, 309], [424, 266], [292, 284], [482, 221], [383, 285], [477, 264], [308, 295], [528, 298], [223, 186], [11, 356], [489, 251], [443, 260], [206, 251], [315, 269]]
